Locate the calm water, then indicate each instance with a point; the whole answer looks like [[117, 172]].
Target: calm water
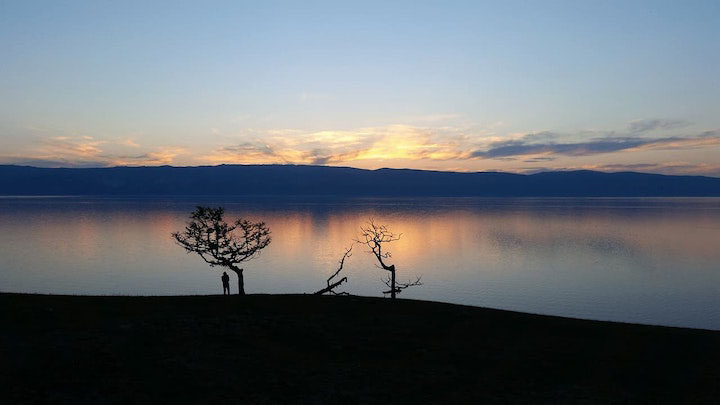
[[653, 261]]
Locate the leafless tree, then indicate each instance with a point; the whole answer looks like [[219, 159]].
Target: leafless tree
[[375, 236], [221, 244], [331, 285]]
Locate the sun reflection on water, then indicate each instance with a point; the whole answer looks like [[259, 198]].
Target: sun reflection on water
[[633, 260]]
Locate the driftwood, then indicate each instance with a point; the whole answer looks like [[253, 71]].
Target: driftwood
[[331, 285]]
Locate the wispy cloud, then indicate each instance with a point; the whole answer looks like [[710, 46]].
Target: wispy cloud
[[58, 162], [130, 142], [331, 147], [87, 151], [79, 147], [652, 124], [435, 147], [159, 156], [528, 145]]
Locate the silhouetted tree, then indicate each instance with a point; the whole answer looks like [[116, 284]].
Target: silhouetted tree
[[221, 244], [331, 285], [375, 236]]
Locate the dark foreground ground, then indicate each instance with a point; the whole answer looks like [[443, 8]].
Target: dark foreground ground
[[290, 348]]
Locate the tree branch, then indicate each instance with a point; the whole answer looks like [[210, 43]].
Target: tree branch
[[332, 285], [217, 243], [399, 287]]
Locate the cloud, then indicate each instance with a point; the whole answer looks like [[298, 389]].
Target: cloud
[[159, 156], [427, 147], [526, 146], [250, 147], [441, 148], [79, 147], [539, 159], [645, 125], [394, 142], [87, 151], [540, 136], [60, 162], [128, 142]]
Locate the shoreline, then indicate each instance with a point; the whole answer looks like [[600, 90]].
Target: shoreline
[[509, 311]]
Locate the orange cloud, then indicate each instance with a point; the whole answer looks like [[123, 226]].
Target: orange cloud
[[405, 146], [396, 142], [87, 151]]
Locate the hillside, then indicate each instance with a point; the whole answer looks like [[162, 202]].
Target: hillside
[[311, 349], [238, 180]]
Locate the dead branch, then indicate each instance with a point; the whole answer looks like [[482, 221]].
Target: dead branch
[[373, 236], [400, 286], [332, 285]]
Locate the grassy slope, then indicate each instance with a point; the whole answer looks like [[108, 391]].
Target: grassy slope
[[269, 348]]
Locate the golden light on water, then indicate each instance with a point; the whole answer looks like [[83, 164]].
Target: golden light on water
[[551, 256]]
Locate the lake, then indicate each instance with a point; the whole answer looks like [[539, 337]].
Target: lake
[[645, 260]]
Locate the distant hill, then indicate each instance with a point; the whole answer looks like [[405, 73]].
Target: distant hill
[[229, 180]]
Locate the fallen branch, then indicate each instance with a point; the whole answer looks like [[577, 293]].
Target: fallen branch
[[332, 285]]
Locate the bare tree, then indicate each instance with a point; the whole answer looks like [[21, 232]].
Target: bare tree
[[331, 285], [375, 236], [221, 244]]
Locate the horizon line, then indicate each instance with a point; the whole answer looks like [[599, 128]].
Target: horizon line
[[528, 173]]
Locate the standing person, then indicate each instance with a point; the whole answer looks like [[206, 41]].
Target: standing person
[[226, 283]]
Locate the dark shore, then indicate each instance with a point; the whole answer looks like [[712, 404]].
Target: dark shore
[[311, 349]]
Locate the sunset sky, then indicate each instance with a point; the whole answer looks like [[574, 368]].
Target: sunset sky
[[445, 85]]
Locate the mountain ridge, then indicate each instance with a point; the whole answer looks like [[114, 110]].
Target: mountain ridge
[[239, 180]]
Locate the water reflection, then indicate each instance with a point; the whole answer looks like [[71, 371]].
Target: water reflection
[[636, 260]]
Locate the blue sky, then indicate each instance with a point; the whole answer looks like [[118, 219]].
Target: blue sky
[[470, 86]]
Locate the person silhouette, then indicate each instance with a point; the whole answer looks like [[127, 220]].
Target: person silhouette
[[226, 283]]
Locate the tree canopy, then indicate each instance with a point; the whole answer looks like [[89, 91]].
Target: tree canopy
[[221, 244]]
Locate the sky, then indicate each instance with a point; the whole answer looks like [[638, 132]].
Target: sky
[[518, 86]]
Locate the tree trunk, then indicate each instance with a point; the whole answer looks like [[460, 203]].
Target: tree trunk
[[241, 281], [392, 288]]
